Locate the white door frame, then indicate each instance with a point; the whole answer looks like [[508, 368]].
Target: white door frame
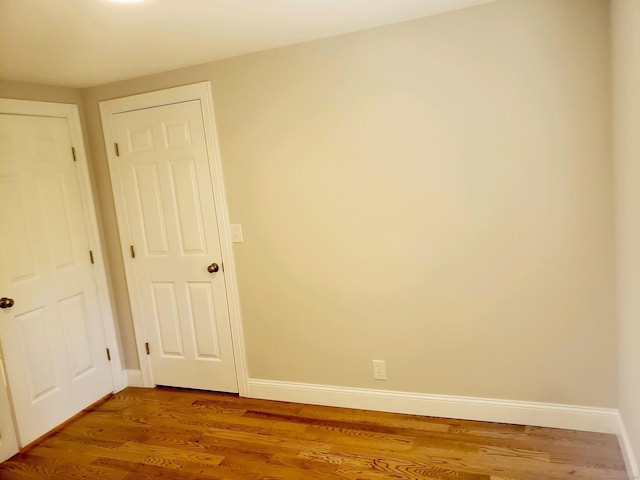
[[202, 92], [71, 114]]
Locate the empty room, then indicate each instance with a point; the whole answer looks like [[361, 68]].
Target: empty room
[[329, 239]]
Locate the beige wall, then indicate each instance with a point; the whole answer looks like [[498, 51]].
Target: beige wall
[[626, 75], [437, 194], [42, 93]]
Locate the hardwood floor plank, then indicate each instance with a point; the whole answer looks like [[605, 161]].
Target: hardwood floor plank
[[33, 466], [373, 419], [169, 433]]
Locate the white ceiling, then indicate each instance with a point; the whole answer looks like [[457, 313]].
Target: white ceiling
[[81, 43]]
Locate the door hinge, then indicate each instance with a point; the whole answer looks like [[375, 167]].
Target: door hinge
[[115, 145], [73, 152], [108, 355], [146, 347], [91, 257], [133, 251]]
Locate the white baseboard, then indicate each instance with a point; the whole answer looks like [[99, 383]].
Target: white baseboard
[[134, 378], [590, 419], [630, 460], [571, 417]]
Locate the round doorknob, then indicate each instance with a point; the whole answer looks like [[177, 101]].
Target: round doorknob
[[6, 302], [213, 268]]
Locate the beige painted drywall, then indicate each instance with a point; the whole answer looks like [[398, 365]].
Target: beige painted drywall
[[437, 194], [626, 135], [42, 93]]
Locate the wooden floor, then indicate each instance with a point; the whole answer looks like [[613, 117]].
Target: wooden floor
[[143, 434]]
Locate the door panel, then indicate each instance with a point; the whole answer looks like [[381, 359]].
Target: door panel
[[73, 312], [167, 319], [52, 338], [8, 441], [148, 196], [201, 308], [57, 225], [169, 210], [19, 251], [186, 197], [33, 336]]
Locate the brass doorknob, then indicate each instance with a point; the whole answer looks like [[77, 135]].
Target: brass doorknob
[[213, 268], [6, 302]]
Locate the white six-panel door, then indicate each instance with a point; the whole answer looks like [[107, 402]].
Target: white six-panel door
[[53, 337], [8, 439], [174, 256]]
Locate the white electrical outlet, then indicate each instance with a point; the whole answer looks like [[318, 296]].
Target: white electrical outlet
[[379, 370]]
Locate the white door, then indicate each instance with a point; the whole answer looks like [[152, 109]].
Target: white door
[[51, 325], [174, 252], [8, 440]]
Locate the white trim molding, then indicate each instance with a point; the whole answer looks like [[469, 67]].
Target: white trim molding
[[604, 420], [134, 378], [630, 460]]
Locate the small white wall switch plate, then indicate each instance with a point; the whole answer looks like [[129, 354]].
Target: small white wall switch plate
[[236, 233]]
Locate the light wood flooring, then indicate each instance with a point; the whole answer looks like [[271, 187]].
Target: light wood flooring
[[163, 433]]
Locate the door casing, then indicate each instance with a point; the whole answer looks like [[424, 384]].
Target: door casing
[[198, 91], [70, 112]]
